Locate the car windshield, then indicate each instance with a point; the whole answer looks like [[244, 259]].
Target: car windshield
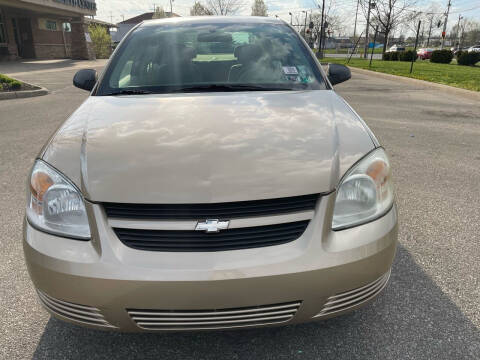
[[191, 57]]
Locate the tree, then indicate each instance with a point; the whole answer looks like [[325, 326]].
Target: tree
[[199, 10], [159, 13], [259, 8], [102, 42], [470, 32], [224, 7], [388, 14]]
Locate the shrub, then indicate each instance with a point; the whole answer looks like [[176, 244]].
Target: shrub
[[442, 56], [15, 85], [102, 42], [5, 79], [386, 56], [468, 58], [459, 53], [408, 55], [395, 55]]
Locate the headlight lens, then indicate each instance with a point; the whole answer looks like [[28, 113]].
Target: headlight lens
[[55, 205], [365, 192]]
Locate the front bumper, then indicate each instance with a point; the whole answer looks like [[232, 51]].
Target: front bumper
[[321, 274]]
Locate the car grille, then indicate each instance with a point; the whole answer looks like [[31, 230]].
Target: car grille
[[214, 319], [74, 312], [230, 239], [222, 211], [349, 299]]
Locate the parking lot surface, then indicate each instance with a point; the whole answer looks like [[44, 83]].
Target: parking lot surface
[[429, 310]]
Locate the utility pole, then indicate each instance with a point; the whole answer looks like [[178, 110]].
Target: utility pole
[[415, 49], [373, 47], [366, 31], [355, 26], [322, 30], [461, 36], [305, 28], [444, 32], [457, 35], [171, 8], [430, 31]]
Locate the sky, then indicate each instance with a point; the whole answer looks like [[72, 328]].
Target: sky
[[116, 10]]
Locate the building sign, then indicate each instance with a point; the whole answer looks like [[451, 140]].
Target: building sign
[[83, 4]]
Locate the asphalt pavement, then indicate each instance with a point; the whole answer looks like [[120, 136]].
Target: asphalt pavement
[[429, 310]]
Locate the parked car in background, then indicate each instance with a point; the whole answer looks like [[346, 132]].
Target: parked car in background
[[424, 54], [474, 48], [194, 191], [457, 50], [396, 48]]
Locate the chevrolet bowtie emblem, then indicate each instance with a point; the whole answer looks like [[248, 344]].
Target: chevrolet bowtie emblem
[[212, 226]]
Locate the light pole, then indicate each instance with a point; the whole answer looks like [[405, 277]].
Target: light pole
[[291, 18]]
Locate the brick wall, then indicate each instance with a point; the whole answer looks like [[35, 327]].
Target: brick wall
[[49, 44], [81, 49]]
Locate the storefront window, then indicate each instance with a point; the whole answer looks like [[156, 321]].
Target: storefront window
[[51, 25], [3, 35]]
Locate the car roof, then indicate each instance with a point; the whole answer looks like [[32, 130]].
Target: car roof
[[214, 20]]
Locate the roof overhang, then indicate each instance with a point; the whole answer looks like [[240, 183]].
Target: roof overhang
[[57, 7]]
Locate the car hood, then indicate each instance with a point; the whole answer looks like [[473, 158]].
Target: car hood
[[215, 147]]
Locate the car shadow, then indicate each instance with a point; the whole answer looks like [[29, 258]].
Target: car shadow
[[412, 319]]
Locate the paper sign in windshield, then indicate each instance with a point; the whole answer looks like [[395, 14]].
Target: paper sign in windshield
[[290, 70]]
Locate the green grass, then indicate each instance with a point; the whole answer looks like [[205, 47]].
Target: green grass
[[359, 50], [466, 77]]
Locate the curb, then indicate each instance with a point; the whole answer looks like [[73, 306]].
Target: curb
[[474, 95], [38, 91]]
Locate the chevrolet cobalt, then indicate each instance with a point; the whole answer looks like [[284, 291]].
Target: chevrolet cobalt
[[213, 179]]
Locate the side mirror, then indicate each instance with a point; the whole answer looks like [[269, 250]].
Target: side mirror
[[338, 73], [85, 79]]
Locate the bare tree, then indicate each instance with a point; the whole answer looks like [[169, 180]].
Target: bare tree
[[470, 32], [259, 8], [336, 24], [224, 7], [388, 14], [159, 13], [199, 10]]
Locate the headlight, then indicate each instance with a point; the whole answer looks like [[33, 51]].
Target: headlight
[[365, 192], [55, 205]]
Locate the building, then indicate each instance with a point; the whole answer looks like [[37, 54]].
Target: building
[[45, 29], [125, 26]]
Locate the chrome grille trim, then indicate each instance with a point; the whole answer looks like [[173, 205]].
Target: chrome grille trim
[[75, 312], [190, 225], [355, 297], [213, 319]]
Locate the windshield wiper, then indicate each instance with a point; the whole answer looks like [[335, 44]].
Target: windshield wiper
[[228, 87], [129, 92]]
